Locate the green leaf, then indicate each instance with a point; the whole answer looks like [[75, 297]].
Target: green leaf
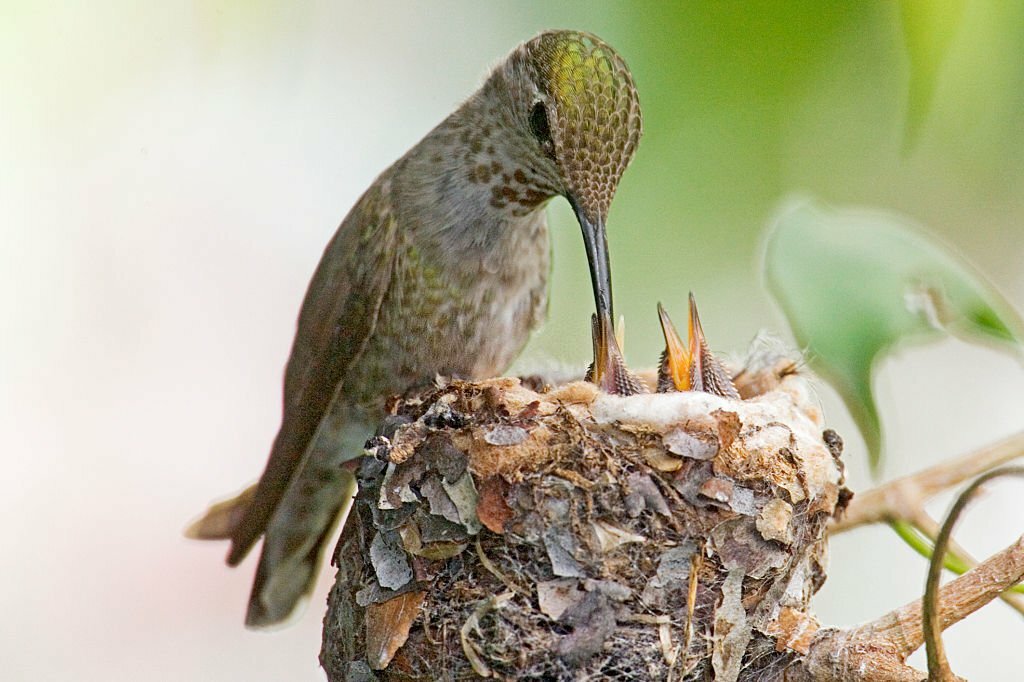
[[928, 30], [855, 283]]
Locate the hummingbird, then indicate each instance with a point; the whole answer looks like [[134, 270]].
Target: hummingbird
[[440, 268], [691, 367]]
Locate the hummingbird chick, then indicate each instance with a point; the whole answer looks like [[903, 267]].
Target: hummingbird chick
[[692, 367], [608, 370], [441, 267]]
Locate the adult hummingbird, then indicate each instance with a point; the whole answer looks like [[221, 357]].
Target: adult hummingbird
[[441, 267]]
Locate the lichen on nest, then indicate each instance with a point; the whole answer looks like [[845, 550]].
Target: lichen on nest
[[562, 533]]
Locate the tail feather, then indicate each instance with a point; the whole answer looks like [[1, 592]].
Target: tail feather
[[292, 552], [220, 521], [295, 512], [286, 457]]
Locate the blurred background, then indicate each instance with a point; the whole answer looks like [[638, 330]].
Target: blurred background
[[170, 173]]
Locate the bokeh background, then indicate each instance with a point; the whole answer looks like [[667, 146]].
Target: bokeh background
[[170, 172]]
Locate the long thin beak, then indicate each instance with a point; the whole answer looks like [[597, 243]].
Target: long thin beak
[[596, 242]]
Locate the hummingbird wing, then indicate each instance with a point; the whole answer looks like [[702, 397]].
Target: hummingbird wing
[[337, 319]]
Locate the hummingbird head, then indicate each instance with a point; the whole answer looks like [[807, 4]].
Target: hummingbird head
[[576, 120], [582, 110]]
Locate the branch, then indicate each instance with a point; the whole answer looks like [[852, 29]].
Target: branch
[[959, 598], [930, 528], [903, 498], [876, 651]]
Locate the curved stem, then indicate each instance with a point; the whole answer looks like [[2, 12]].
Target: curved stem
[[938, 665]]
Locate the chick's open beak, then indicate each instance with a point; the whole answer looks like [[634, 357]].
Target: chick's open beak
[[693, 367], [609, 369], [698, 344], [674, 370], [707, 373]]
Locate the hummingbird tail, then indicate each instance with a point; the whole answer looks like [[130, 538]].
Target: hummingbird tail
[[222, 518], [295, 541]]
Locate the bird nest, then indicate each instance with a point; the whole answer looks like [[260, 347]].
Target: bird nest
[[520, 531]]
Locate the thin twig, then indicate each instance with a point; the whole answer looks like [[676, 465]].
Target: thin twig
[[900, 499], [938, 664]]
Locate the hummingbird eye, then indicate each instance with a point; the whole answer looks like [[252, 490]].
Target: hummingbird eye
[[539, 123]]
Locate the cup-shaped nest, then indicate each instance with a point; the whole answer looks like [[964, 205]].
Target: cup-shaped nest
[[564, 533]]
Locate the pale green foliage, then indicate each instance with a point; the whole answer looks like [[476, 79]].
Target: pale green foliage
[[854, 283], [929, 27]]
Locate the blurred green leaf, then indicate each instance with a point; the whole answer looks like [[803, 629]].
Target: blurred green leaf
[[854, 283], [928, 30]]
